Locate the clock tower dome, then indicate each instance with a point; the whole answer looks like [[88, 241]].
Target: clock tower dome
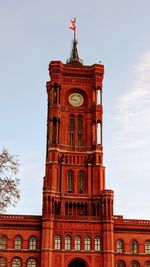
[[77, 209]]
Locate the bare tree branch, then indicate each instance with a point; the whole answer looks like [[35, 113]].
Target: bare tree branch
[[9, 191]]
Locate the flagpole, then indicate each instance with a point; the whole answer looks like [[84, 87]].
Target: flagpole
[[75, 30]]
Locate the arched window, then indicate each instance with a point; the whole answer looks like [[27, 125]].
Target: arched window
[[134, 247], [67, 242], [135, 264], [120, 246], [97, 243], [71, 130], [81, 182], [70, 181], [77, 243], [87, 243], [147, 247], [3, 242], [18, 242], [3, 262], [57, 242], [121, 263], [31, 262], [16, 262], [32, 243], [147, 264], [80, 130]]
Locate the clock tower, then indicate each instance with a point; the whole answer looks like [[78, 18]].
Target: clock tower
[[77, 227]]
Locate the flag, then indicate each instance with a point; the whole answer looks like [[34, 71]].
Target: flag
[[72, 24]]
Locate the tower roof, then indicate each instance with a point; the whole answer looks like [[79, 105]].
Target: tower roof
[[74, 58]]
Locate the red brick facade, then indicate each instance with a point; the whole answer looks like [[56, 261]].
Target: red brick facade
[[77, 227]]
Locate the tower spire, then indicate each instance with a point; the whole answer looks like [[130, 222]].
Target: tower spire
[[74, 59]]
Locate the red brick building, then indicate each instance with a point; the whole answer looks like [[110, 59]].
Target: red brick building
[[78, 227]]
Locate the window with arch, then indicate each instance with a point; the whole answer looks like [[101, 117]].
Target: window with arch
[[32, 243], [80, 130], [147, 264], [57, 242], [97, 243], [134, 247], [16, 262], [81, 182], [31, 262], [87, 243], [135, 264], [67, 242], [121, 263], [3, 262], [77, 243], [147, 247], [18, 242], [70, 181], [120, 246], [71, 129], [3, 242]]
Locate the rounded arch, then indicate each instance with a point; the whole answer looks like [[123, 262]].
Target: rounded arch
[[18, 242], [135, 264], [78, 262], [32, 243], [68, 242], [16, 262], [31, 262], [120, 263], [120, 246], [3, 261], [134, 247], [3, 242]]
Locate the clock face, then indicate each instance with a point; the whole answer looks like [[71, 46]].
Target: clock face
[[76, 99]]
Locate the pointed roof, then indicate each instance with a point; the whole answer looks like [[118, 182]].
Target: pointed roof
[[74, 59]]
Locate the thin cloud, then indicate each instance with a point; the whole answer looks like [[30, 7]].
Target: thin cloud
[[133, 108]]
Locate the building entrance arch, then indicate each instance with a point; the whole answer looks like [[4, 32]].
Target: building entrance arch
[[77, 263]]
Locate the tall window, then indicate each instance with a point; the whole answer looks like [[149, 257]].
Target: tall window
[[81, 182], [78, 243], [135, 264], [98, 133], [134, 247], [32, 243], [72, 129], [3, 242], [16, 262], [70, 181], [3, 262], [17, 242], [120, 246], [31, 263], [98, 97], [67, 242], [97, 243], [147, 247], [121, 264], [87, 243], [54, 130], [57, 244], [80, 130]]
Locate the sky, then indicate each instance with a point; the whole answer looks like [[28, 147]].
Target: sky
[[117, 33]]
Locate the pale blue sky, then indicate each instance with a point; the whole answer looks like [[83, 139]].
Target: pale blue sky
[[32, 33]]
